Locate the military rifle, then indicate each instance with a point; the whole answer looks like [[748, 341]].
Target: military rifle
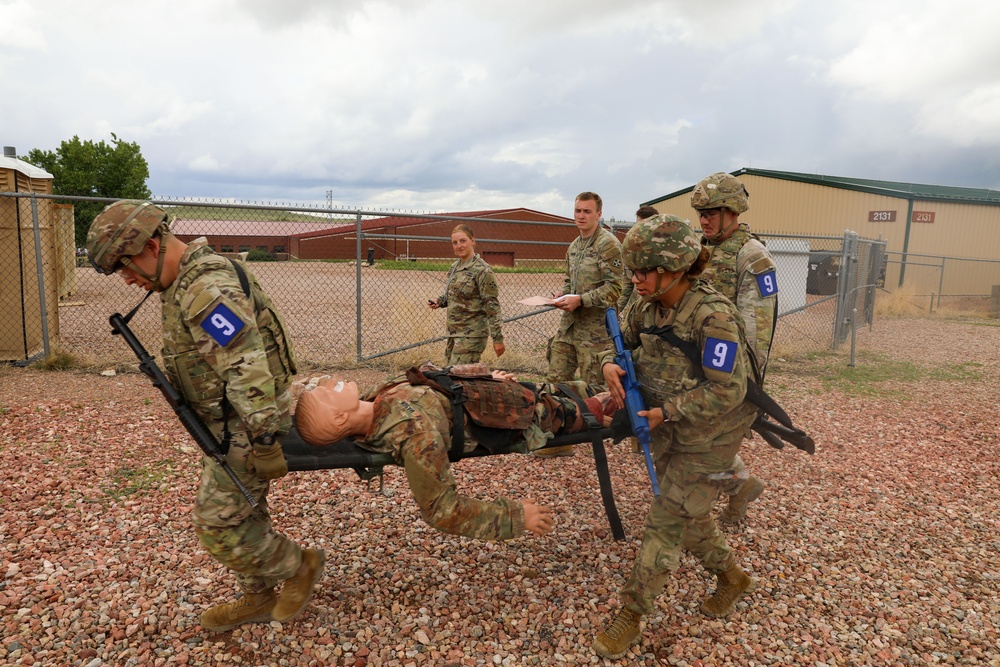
[[199, 432], [633, 398]]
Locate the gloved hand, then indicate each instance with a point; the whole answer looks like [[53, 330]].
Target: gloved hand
[[621, 427], [269, 460]]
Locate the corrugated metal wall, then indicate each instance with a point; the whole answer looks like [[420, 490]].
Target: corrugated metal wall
[[957, 229]]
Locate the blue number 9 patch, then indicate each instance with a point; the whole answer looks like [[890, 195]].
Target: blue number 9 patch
[[767, 283], [222, 325], [719, 355]]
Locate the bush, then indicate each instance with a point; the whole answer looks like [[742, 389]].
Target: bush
[[257, 255]]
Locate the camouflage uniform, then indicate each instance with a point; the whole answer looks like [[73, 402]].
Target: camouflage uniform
[[414, 424], [706, 422], [473, 310], [594, 272], [743, 270], [252, 371], [735, 268]]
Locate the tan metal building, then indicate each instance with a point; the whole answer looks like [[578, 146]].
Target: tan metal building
[[934, 233]]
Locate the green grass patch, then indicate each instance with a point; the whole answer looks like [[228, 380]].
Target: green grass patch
[[400, 265], [129, 481], [871, 371]]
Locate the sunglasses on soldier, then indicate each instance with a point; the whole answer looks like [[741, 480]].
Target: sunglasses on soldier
[[119, 265], [639, 274]]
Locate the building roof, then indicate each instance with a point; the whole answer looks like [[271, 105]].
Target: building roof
[[323, 227], [889, 188], [409, 221], [189, 227], [26, 168]]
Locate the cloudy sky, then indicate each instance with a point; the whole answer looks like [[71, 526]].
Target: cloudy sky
[[438, 105]]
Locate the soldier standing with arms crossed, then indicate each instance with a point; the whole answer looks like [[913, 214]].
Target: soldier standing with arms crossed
[[593, 284], [743, 270], [228, 353], [697, 418], [471, 297]]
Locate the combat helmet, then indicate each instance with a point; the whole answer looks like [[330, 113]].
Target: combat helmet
[[721, 190], [120, 231], [663, 242]]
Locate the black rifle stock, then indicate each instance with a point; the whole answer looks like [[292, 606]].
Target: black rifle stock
[[195, 427], [633, 398]]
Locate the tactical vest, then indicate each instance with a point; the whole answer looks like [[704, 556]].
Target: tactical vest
[[499, 410], [187, 366], [721, 271], [665, 371]]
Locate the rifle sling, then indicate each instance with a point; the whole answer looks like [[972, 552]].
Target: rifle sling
[[755, 393], [227, 436]]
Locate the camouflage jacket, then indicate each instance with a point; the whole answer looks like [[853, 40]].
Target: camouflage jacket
[[472, 301], [413, 423], [216, 340], [700, 404], [594, 271], [743, 270]]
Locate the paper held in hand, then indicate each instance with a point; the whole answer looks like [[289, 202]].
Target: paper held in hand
[[538, 301]]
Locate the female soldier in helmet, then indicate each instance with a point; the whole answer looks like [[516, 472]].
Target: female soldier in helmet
[[696, 414]]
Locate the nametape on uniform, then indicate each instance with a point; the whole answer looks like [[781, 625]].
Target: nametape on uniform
[[767, 283], [222, 324], [719, 355]]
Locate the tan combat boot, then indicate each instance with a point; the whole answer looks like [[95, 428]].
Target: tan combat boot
[[736, 511], [623, 633], [251, 608], [733, 583], [297, 591]]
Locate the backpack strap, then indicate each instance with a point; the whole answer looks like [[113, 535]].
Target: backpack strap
[[441, 381], [227, 436]]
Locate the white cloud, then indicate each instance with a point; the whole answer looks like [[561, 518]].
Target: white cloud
[[937, 62], [22, 26], [446, 103], [205, 163]]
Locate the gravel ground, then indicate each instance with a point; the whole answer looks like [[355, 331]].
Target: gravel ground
[[882, 549]]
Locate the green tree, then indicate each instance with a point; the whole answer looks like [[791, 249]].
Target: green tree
[[88, 169]]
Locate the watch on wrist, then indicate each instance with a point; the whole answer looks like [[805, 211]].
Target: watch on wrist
[[264, 440]]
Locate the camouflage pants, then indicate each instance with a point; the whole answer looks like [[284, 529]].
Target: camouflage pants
[[237, 535], [732, 486], [424, 454], [679, 518], [565, 358], [463, 350]]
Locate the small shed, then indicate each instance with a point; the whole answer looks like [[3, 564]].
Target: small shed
[[28, 261]]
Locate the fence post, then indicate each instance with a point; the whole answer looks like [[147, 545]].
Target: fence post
[[941, 283], [357, 288], [43, 312], [845, 288]]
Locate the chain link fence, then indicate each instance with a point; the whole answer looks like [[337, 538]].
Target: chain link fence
[[353, 285]]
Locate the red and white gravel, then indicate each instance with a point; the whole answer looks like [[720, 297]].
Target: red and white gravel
[[882, 549]]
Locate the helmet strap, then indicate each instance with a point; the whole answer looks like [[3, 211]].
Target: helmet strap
[[720, 236], [154, 280], [660, 291]]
